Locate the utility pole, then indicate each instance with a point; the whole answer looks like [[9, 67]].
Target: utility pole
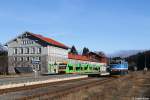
[[145, 60], [109, 60], [145, 69]]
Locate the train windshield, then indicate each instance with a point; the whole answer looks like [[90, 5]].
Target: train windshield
[[117, 62]]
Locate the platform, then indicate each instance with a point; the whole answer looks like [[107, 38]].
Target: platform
[[32, 80]]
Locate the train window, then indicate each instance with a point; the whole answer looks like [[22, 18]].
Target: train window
[[95, 68], [86, 68], [90, 68], [70, 67], [77, 68]]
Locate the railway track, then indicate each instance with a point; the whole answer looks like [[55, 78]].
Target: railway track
[[51, 90], [72, 89], [2, 91]]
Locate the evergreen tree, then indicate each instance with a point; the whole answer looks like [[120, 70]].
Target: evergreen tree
[[85, 51], [73, 50]]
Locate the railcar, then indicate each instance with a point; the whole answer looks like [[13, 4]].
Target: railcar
[[83, 68]]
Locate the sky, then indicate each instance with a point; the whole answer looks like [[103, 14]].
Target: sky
[[100, 25]]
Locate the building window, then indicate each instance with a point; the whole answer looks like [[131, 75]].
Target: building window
[[31, 58], [15, 51], [39, 67], [32, 50], [21, 50], [32, 42], [36, 67], [19, 58], [15, 58], [25, 58], [27, 42], [39, 50], [28, 58], [23, 42], [26, 50], [38, 58]]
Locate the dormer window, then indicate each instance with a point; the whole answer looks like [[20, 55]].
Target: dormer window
[[25, 42]]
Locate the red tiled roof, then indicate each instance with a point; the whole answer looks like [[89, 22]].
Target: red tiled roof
[[78, 57], [86, 58], [49, 40]]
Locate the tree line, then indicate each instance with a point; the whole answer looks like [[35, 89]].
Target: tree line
[[140, 60], [73, 50], [3, 62]]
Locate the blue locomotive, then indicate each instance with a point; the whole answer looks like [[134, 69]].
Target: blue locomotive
[[118, 67]]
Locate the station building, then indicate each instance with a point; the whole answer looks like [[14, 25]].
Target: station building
[[29, 51], [35, 51]]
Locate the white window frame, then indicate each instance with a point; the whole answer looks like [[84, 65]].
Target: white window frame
[[39, 50], [15, 50]]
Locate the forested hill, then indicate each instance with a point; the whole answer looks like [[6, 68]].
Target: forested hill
[[139, 60], [124, 53]]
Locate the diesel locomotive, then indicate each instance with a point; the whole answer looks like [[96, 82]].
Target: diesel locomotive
[[118, 67]]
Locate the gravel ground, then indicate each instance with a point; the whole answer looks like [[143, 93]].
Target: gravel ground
[[135, 86]]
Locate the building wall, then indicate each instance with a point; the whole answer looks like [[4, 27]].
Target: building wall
[[23, 52], [55, 56], [27, 51], [57, 52]]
